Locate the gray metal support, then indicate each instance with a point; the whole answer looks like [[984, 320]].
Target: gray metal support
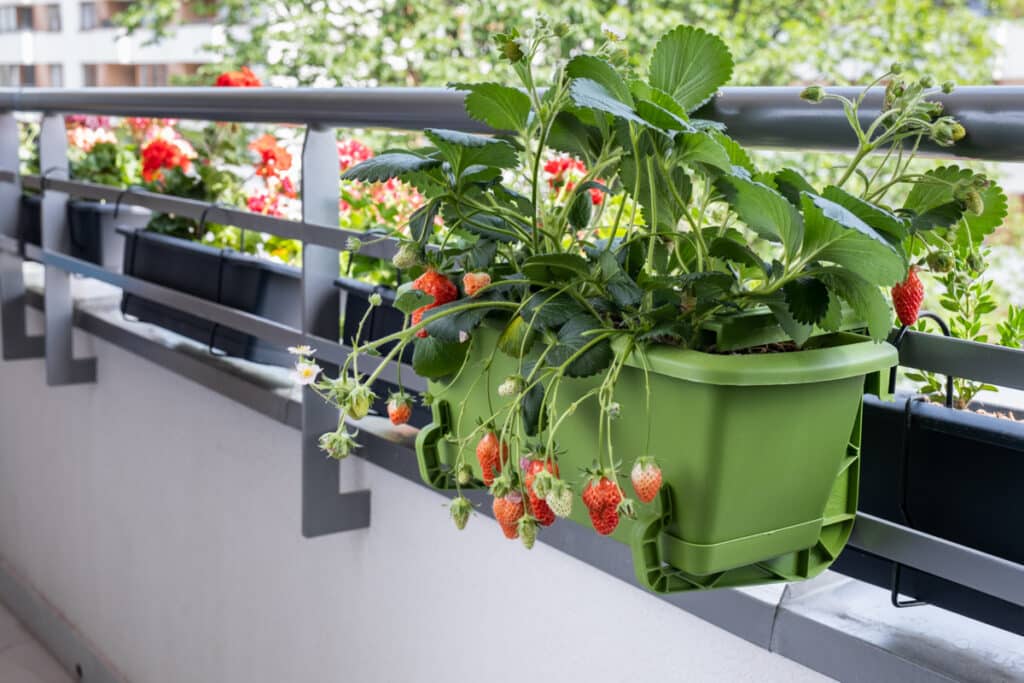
[[16, 343], [61, 366], [324, 509]]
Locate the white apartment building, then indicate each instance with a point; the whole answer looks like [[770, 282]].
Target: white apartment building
[[74, 43]]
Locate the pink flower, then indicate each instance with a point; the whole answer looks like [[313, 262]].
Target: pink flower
[[352, 152], [86, 138]]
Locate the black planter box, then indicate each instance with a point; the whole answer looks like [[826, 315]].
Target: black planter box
[[244, 282], [92, 225], [961, 481]]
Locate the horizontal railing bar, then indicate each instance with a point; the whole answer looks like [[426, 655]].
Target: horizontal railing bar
[[757, 116], [968, 567], [990, 363], [268, 330], [334, 237]]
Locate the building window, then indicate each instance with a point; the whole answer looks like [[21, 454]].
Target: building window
[[53, 18], [25, 18], [8, 19], [56, 76], [152, 75], [28, 74], [9, 75], [87, 17], [89, 77]]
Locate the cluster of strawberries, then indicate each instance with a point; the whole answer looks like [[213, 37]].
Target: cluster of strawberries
[[536, 500]]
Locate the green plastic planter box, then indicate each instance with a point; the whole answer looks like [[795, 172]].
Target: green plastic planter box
[[760, 453]]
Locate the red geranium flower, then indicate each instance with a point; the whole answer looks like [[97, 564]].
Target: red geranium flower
[[274, 158], [562, 173], [160, 153], [352, 152], [239, 79], [265, 204]]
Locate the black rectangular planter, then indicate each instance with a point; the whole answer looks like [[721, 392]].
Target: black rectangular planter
[[249, 284], [950, 473], [92, 225], [252, 285]]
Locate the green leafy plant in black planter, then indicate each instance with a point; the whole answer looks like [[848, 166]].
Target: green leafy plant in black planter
[[698, 333]]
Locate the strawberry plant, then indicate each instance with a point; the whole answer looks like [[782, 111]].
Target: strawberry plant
[[607, 221]]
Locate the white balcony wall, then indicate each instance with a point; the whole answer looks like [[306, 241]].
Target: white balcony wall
[[163, 521]]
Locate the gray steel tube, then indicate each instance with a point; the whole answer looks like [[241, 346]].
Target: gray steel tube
[[760, 116]]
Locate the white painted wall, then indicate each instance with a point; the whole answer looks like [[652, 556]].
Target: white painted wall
[[163, 520]]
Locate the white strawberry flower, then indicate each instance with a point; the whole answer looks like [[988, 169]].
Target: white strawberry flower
[[613, 32], [306, 373], [302, 350]]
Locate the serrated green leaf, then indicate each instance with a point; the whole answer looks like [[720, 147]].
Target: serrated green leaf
[[941, 216], [531, 409], [517, 338], [409, 299], [690, 64], [834, 234], [731, 250], [927, 196], [387, 166], [549, 310], [833, 318], [463, 150], [434, 359], [790, 183], [482, 253], [569, 134], [623, 291], [764, 211], [886, 223], [573, 337], [600, 71], [499, 106], [797, 331], [590, 94], [556, 267], [453, 325], [864, 298], [737, 155], [421, 222], [702, 148], [807, 299]]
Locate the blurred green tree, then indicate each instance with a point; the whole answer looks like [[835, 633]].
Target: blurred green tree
[[398, 42]]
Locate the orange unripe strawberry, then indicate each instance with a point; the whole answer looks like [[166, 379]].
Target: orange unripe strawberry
[[474, 282], [646, 478], [907, 297], [491, 455], [399, 410]]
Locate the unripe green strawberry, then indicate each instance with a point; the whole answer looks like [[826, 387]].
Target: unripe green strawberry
[[974, 202], [940, 261], [559, 498], [359, 401], [975, 262], [464, 475], [407, 256], [460, 509], [527, 528]]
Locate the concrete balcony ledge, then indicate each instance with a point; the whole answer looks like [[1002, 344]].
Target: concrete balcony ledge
[[150, 531]]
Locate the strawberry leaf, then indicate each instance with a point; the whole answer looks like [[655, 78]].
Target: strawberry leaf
[[387, 166], [576, 335], [499, 106], [434, 358], [807, 299], [690, 64]]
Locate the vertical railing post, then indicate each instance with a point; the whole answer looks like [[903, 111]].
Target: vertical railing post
[[16, 342], [61, 366], [324, 509]]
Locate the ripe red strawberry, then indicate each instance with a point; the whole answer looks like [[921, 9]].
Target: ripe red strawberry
[[602, 496], [437, 286], [487, 454], [474, 282], [399, 410], [538, 506], [508, 509], [907, 297], [646, 477]]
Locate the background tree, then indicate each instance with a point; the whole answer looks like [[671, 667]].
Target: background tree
[[397, 42]]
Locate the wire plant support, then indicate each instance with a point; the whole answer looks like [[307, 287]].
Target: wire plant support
[[770, 117]]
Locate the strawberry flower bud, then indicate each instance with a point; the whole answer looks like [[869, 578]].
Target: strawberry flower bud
[[813, 94], [948, 86]]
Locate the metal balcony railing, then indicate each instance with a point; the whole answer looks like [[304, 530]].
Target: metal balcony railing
[[767, 117]]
